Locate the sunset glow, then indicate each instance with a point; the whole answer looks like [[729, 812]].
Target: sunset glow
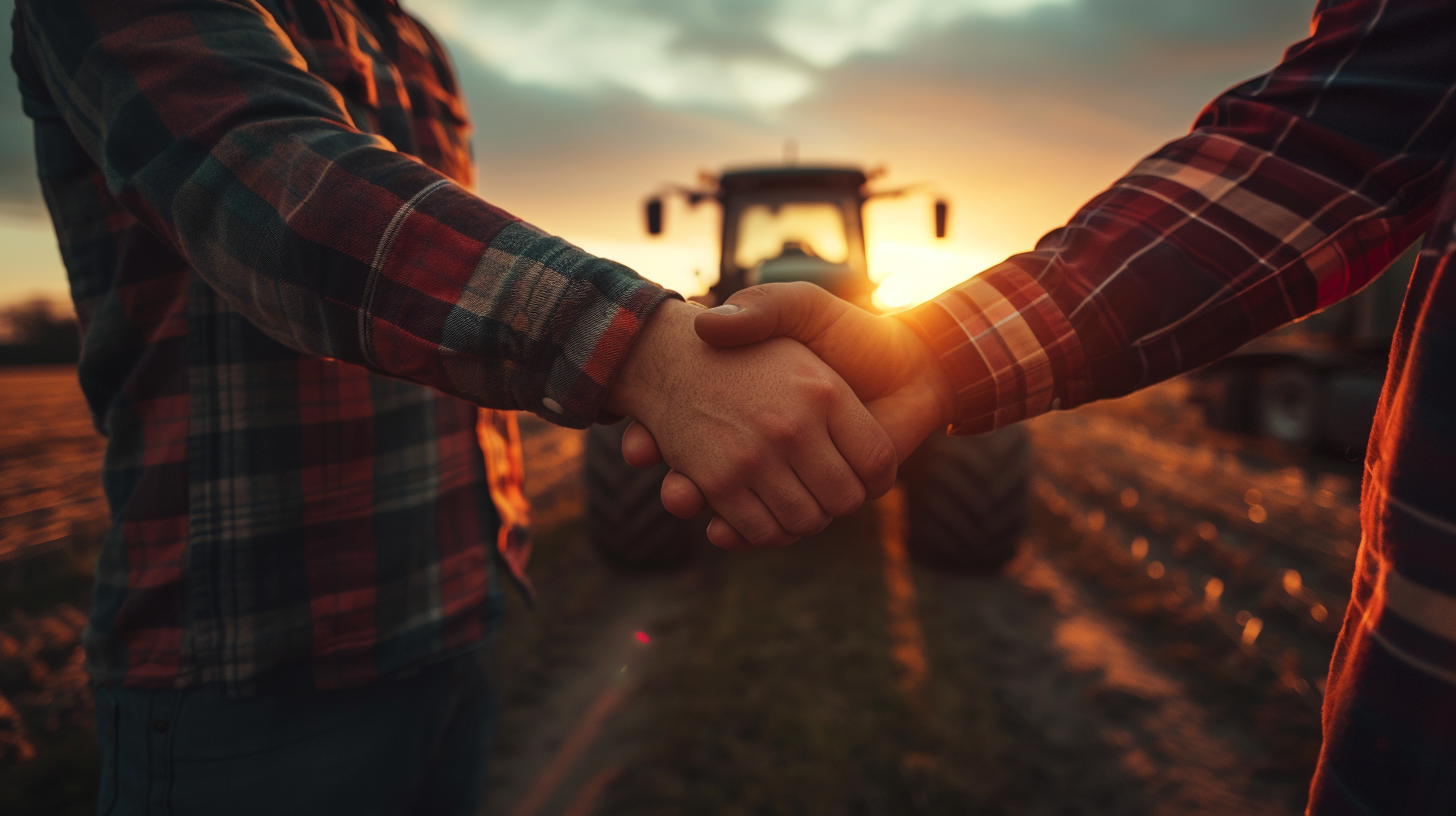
[[1015, 111], [910, 274]]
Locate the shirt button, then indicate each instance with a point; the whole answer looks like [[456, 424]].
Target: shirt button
[[160, 725], [552, 405]]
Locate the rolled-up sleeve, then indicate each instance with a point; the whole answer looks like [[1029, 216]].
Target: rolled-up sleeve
[[211, 131], [1293, 190]]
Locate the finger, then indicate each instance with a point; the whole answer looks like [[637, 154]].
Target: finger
[[793, 505], [799, 310], [722, 535], [746, 512], [863, 443], [639, 447], [680, 496], [828, 477], [906, 421]]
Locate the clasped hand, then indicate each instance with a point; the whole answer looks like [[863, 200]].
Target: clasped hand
[[769, 436], [781, 409]]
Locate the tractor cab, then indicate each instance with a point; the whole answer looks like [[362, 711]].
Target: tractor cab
[[794, 224], [790, 223]]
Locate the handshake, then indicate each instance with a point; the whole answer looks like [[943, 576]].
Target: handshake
[[781, 409]]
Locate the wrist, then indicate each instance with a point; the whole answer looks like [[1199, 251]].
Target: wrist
[[932, 384], [645, 372]]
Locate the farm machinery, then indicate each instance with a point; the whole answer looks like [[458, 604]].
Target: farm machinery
[[965, 497], [1315, 383]]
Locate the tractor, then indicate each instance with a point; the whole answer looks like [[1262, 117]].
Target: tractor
[[965, 497], [1315, 383]]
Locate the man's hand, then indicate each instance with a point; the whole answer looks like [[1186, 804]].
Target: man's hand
[[889, 367], [777, 442]]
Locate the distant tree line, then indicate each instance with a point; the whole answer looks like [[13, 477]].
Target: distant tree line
[[38, 332]]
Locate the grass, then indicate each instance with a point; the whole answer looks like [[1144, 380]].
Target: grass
[[35, 585], [778, 696], [62, 778]]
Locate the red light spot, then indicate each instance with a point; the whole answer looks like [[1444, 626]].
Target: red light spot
[[642, 637]]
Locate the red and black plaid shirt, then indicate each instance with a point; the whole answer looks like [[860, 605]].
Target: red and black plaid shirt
[[1294, 190], [264, 211]]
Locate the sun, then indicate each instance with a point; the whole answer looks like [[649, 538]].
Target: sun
[[910, 265]]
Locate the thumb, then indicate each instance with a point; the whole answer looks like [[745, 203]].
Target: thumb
[[799, 310], [906, 421], [639, 447]]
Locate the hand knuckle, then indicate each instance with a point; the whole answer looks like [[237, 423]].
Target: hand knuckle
[[715, 484], [850, 500], [783, 429], [881, 458], [763, 537], [748, 295], [820, 386], [748, 461], [809, 522]]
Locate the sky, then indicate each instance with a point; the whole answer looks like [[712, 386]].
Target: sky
[[1016, 111]]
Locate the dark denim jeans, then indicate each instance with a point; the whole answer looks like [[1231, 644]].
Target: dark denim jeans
[[412, 745]]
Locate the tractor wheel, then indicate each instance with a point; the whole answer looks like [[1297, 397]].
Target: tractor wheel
[[1291, 405], [966, 499], [625, 517], [1229, 396]]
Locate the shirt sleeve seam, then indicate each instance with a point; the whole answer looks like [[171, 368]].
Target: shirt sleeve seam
[[376, 268]]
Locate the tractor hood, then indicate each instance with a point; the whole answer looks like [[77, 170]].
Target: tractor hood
[[840, 279], [760, 180]]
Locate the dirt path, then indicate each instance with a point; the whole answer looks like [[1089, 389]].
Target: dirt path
[[578, 733], [1162, 736], [833, 677], [1158, 647]]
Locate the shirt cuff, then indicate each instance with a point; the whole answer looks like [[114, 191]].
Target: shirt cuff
[[559, 322], [1005, 345], [602, 322]]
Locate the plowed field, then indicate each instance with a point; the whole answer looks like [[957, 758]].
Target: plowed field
[[1157, 647]]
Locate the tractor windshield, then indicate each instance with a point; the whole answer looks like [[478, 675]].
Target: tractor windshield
[[815, 229]]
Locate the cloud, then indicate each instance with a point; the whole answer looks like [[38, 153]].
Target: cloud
[[1019, 112], [755, 55], [19, 190], [827, 32], [581, 106], [763, 55], [585, 46]]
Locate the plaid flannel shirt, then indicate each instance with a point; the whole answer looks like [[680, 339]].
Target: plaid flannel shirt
[[264, 210], [1293, 190]]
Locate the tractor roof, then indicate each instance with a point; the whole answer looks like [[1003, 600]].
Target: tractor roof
[[765, 179]]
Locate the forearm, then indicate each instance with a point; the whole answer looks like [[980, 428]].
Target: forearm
[[1292, 192], [420, 279], [211, 131]]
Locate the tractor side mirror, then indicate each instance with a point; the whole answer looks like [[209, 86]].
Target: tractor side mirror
[[654, 216], [942, 212]]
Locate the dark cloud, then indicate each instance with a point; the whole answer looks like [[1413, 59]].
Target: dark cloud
[[1136, 66], [19, 191], [1155, 61], [1086, 89], [1200, 21], [1146, 57], [575, 164]]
